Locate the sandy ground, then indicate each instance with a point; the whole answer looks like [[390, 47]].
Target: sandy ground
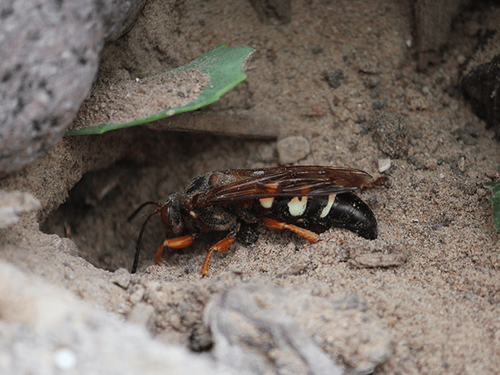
[[441, 306]]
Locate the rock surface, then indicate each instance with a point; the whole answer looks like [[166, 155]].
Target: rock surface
[[267, 329], [50, 54], [46, 330]]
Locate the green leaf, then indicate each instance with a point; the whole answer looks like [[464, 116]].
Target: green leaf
[[225, 68], [495, 200]]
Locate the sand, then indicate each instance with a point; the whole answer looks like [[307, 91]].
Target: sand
[[432, 278]]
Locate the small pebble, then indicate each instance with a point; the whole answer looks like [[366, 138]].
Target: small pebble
[[461, 164], [384, 165], [121, 277], [137, 296], [415, 100]]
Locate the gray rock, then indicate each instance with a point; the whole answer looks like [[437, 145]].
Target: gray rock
[[261, 329], [50, 54], [45, 330]]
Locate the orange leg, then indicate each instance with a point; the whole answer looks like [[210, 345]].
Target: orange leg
[[307, 234], [220, 247], [174, 243]]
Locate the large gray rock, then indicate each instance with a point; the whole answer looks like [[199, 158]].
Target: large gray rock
[[45, 330], [265, 329], [50, 54]]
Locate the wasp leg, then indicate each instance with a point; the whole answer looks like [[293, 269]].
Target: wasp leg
[[307, 234], [220, 247], [174, 243]]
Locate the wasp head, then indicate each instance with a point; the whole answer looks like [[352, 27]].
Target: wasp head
[[170, 213]]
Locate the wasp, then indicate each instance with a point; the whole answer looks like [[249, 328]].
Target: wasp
[[306, 200]]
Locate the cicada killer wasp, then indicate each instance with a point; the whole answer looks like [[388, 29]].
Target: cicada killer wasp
[[303, 199]]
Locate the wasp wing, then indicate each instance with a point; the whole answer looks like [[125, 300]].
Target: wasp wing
[[246, 184]]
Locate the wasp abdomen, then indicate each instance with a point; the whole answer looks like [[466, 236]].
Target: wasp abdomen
[[345, 210], [350, 212]]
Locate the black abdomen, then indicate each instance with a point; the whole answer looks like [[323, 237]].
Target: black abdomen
[[345, 210]]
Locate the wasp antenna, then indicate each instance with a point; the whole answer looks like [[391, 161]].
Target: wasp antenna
[[134, 214], [139, 240]]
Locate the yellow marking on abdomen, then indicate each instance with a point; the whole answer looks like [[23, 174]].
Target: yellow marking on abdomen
[[266, 202], [297, 206], [328, 207]]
